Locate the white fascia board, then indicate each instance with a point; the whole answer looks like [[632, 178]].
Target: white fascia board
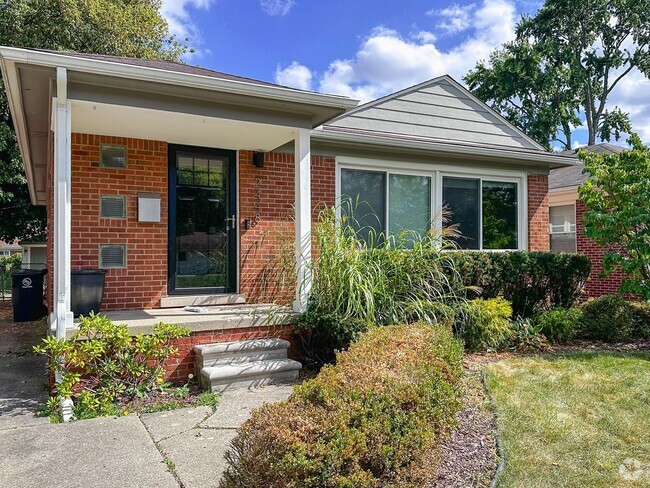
[[12, 89], [155, 75], [556, 161]]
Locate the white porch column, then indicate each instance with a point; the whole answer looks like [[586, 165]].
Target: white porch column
[[62, 205], [303, 218]]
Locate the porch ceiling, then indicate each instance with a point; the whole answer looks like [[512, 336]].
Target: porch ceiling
[[177, 128]]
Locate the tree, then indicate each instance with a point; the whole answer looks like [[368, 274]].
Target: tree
[[564, 63], [131, 28], [616, 195]]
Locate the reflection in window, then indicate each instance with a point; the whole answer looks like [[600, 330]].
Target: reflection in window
[[363, 203], [409, 207], [460, 198], [500, 227]]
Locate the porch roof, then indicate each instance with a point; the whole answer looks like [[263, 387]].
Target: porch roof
[[145, 98]]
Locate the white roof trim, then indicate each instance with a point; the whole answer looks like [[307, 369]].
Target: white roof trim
[[545, 157], [145, 73]]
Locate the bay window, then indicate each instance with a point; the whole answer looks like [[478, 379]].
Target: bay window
[[380, 200]]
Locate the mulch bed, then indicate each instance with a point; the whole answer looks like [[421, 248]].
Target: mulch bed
[[470, 454], [162, 400]]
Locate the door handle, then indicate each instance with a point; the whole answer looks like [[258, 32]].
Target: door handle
[[233, 221]]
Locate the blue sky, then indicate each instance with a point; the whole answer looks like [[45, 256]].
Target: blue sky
[[361, 48]]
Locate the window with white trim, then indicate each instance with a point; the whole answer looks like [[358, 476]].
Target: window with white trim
[[377, 203], [484, 211], [562, 227]]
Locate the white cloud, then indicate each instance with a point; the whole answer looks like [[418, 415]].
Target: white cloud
[[631, 95], [295, 75], [455, 18], [387, 62], [277, 7], [177, 14]]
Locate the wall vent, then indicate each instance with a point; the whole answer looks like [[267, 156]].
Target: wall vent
[[112, 206], [112, 256], [112, 156]]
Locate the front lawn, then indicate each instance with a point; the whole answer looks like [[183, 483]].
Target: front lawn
[[579, 419]]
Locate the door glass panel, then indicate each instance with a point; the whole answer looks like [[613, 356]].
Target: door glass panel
[[409, 204], [363, 203], [201, 230], [460, 198], [500, 213]]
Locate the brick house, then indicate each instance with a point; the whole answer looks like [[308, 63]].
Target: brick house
[[186, 184], [565, 223]]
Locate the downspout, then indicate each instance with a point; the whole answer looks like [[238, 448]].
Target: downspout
[[62, 217]]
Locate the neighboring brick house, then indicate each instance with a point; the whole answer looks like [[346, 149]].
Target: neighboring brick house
[[189, 185], [9, 249], [566, 212]]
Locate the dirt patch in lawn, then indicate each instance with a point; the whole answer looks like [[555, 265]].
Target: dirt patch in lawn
[[470, 454]]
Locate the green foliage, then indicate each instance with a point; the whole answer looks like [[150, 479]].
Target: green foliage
[[531, 281], [527, 336], [484, 325], [641, 320], [607, 318], [559, 325], [616, 195], [132, 28], [357, 283], [207, 399], [564, 63], [7, 265], [373, 419], [103, 362]]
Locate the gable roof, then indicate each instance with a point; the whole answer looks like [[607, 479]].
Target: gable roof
[[572, 175], [439, 110]]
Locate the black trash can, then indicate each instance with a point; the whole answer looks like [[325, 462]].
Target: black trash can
[[86, 290], [27, 294]]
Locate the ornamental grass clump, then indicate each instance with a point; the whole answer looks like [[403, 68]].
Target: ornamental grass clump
[[360, 280], [103, 363], [373, 419]]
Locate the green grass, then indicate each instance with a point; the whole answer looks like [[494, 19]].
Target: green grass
[[574, 420]]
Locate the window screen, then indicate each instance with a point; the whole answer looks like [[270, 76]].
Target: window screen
[[409, 204]]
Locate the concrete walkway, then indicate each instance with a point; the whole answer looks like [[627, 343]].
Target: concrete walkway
[[181, 448], [23, 374]]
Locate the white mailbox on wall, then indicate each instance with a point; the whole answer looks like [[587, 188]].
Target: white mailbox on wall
[[148, 207]]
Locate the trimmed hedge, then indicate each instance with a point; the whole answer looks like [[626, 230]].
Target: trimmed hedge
[[373, 419], [559, 325], [531, 281]]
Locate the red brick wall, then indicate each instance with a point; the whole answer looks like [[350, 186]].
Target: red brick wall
[[144, 280], [538, 237], [269, 193], [595, 286]]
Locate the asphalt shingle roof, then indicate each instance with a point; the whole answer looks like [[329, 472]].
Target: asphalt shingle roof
[[572, 175]]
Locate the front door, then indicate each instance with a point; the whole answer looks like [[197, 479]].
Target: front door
[[202, 221]]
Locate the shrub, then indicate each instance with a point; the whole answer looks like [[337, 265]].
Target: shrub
[[356, 284], [373, 419], [103, 362], [641, 320], [531, 281], [484, 325], [559, 325], [526, 336], [607, 318]]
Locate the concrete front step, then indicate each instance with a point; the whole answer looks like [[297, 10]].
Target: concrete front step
[[209, 355], [250, 374]]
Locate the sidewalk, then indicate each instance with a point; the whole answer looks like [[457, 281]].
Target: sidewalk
[[179, 448]]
